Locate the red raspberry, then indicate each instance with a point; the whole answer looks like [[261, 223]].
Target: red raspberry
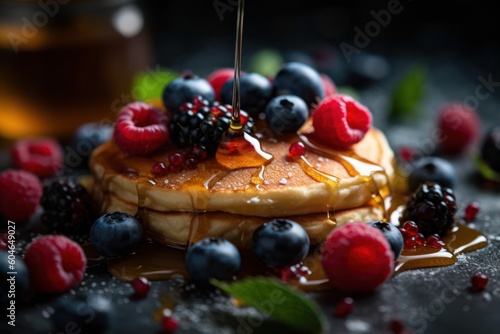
[[43, 157], [341, 121], [140, 129], [55, 263], [218, 78], [460, 126], [21, 193], [357, 257], [328, 85]]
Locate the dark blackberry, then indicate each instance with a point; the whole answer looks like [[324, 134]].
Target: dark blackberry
[[199, 124], [67, 206], [432, 208]]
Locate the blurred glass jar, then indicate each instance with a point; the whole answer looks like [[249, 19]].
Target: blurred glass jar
[[64, 63]]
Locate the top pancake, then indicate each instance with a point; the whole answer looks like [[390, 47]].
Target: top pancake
[[325, 180]]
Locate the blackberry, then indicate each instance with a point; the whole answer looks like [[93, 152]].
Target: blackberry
[[432, 208], [67, 206], [200, 124]]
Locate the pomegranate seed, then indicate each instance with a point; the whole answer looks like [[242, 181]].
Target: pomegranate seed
[[344, 307], [297, 149], [404, 233], [411, 228], [420, 239], [435, 242], [200, 153], [176, 159], [190, 163], [479, 282], [406, 153], [471, 211], [296, 271], [410, 242], [141, 286], [169, 323], [159, 168]]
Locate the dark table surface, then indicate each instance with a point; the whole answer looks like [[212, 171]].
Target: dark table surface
[[432, 300]]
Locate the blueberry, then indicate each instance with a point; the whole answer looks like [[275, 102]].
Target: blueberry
[[83, 314], [256, 90], [490, 149], [21, 277], [86, 138], [116, 234], [392, 234], [280, 242], [286, 113], [212, 258], [184, 89], [432, 169], [299, 79]]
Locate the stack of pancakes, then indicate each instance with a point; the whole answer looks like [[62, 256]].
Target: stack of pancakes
[[322, 190]]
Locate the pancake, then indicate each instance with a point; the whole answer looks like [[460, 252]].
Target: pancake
[[324, 188]]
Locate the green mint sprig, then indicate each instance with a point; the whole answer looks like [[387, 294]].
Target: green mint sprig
[[280, 302], [408, 93]]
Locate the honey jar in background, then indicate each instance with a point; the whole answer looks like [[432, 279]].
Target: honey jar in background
[[67, 62]]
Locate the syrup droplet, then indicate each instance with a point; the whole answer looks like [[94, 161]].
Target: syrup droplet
[[238, 149]]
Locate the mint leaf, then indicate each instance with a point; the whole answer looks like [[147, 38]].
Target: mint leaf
[[150, 83], [486, 170], [408, 93], [266, 62], [280, 302]]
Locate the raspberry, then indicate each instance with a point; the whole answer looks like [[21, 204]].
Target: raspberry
[[55, 263], [460, 126], [218, 78], [140, 129], [328, 85], [67, 206], [43, 157], [432, 208], [357, 257], [21, 192], [341, 121]]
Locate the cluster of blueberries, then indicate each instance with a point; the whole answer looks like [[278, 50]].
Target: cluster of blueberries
[[285, 101]]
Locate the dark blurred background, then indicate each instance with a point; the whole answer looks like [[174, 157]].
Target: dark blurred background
[[182, 28], [63, 64]]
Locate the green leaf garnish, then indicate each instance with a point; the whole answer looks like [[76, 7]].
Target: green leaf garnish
[[266, 62], [408, 93], [486, 170], [278, 301], [150, 83]]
